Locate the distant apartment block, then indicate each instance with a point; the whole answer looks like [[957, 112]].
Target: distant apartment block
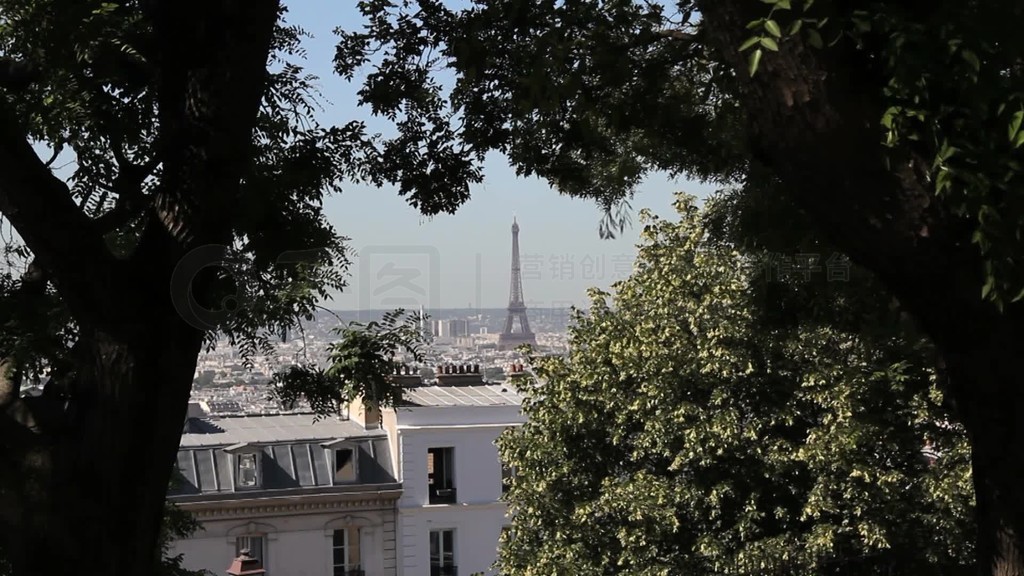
[[450, 514], [303, 498], [450, 328]]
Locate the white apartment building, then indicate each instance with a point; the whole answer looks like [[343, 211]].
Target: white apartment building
[[323, 499], [450, 514], [304, 498]]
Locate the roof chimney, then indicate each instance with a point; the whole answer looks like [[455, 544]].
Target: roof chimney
[[246, 565], [407, 377], [462, 375]]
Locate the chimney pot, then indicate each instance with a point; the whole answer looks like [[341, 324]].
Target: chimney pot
[[245, 565]]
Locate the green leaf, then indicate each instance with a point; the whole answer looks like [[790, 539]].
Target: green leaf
[[769, 44], [889, 115], [1015, 122], [990, 284], [750, 42], [754, 61], [943, 179], [971, 59], [814, 39], [1018, 296], [795, 27], [773, 28]]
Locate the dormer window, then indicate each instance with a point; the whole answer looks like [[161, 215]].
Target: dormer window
[[247, 476], [246, 465], [344, 465], [344, 460]]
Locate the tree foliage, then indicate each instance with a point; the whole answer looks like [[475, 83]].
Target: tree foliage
[[178, 525], [360, 366], [704, 422], [94, 104]]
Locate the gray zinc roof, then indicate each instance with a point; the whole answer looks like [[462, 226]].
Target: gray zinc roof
[[478, 395], [276, 428], [292, 455]]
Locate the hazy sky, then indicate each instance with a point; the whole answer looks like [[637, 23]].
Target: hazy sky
[[406, 260]]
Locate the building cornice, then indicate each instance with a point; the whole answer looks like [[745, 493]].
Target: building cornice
[[291, 505], [457, 426], [436, 508]]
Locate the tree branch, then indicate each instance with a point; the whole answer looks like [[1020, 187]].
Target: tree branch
[[40, 207], [131, 201], [675, 35], [212, 77]]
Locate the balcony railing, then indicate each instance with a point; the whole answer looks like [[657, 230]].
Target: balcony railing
[[442, 495], [349, 572], [444, 571]]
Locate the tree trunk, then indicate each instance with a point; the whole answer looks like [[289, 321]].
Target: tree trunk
[[84, 469], [93, 501], [988, 384]]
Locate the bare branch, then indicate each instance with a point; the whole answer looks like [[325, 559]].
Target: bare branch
[[56, 152]]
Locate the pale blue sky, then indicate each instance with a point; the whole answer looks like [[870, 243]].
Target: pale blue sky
[[563, 254]]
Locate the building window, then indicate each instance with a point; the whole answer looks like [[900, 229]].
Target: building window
[[442, 553], [253, 546], [344, 465], [248, 475], [345, 552], [441, 475]]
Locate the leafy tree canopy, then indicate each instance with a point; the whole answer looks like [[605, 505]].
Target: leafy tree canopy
[[699, 426]]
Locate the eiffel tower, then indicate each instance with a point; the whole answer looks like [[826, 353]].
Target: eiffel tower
[[509, 338]]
